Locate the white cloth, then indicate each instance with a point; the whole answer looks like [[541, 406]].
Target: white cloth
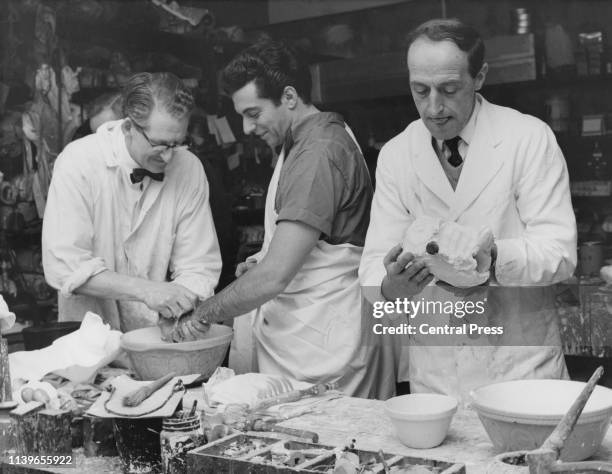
[[76, 356], [316, 331], [7, 318], [97, 220], [515, 181], [249, 389]]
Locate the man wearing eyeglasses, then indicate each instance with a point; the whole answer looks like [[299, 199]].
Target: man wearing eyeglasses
[[127, 231]]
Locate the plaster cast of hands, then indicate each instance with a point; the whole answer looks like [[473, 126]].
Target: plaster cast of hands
[[455, 253]]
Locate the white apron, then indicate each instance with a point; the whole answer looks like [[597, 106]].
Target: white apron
[[314, 331]]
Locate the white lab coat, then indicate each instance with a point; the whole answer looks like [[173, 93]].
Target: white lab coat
[[97, 220], [515, 181]]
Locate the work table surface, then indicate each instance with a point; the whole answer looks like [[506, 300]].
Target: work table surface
[[340, 420], [365, 421]]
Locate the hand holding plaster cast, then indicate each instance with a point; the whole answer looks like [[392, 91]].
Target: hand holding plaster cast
[[454, 253]]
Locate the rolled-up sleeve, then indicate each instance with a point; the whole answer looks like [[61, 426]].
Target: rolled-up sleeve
[[196, 260], [68, 229]]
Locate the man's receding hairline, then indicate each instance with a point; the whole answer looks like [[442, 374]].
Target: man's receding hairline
[[426, 38]]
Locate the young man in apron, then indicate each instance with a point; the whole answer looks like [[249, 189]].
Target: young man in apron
[[304, 283]]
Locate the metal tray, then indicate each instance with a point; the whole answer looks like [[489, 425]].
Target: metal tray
[[318, 459]]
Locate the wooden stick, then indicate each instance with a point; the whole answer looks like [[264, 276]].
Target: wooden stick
[[566, 425], [263, 425], [138, 396], [381, 455], [193, 408], [294, 395], [545, 459], [6, 394]]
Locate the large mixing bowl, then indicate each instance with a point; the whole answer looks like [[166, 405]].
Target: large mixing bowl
[[519, 415], [153, 358]]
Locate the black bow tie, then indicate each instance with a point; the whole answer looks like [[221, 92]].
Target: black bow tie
[[138, 174]]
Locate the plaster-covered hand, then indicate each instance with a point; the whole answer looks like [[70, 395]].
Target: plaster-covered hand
[[170, 300], [189, 327], [167, 327]]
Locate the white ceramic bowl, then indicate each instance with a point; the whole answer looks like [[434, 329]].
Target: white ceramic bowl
[[153, 358], [519, 415], [421, 420]]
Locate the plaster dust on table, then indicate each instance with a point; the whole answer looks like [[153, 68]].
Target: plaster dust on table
[[373, 431]]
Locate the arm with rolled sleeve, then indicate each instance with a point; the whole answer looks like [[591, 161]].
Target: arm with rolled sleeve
[[389, 220], [545, 253], [195, 262], [68, 229]]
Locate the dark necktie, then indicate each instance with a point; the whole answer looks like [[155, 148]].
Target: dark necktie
[[453, 145], [138, 174]]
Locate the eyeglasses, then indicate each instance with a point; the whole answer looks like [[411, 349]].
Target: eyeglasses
[[186, 143]]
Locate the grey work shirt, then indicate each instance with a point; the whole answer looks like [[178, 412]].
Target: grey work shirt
[[324, 181]]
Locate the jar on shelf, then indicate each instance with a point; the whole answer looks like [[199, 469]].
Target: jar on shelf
[[597, 165], [178, 436], [557, 112]]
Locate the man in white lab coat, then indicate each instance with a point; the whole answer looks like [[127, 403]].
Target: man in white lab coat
[[304, 283], [473, 163], [127, 231]]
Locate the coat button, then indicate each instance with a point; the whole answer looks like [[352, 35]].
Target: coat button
[[265, 321]]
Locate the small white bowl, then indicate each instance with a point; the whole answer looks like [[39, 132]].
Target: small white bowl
[[421, 420]]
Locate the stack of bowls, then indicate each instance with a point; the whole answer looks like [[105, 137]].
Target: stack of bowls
[[521, 21]]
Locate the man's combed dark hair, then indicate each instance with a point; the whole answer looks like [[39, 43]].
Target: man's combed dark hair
[[272, 65], [145, 91], [465, 37]]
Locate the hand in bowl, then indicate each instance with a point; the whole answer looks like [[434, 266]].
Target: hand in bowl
[[167, 326], [189, 328]]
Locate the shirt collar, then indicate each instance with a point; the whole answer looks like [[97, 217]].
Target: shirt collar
[[122, 155], [467, 133], [303, 127]]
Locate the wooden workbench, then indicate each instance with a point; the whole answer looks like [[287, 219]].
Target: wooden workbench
[[340, 420]]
